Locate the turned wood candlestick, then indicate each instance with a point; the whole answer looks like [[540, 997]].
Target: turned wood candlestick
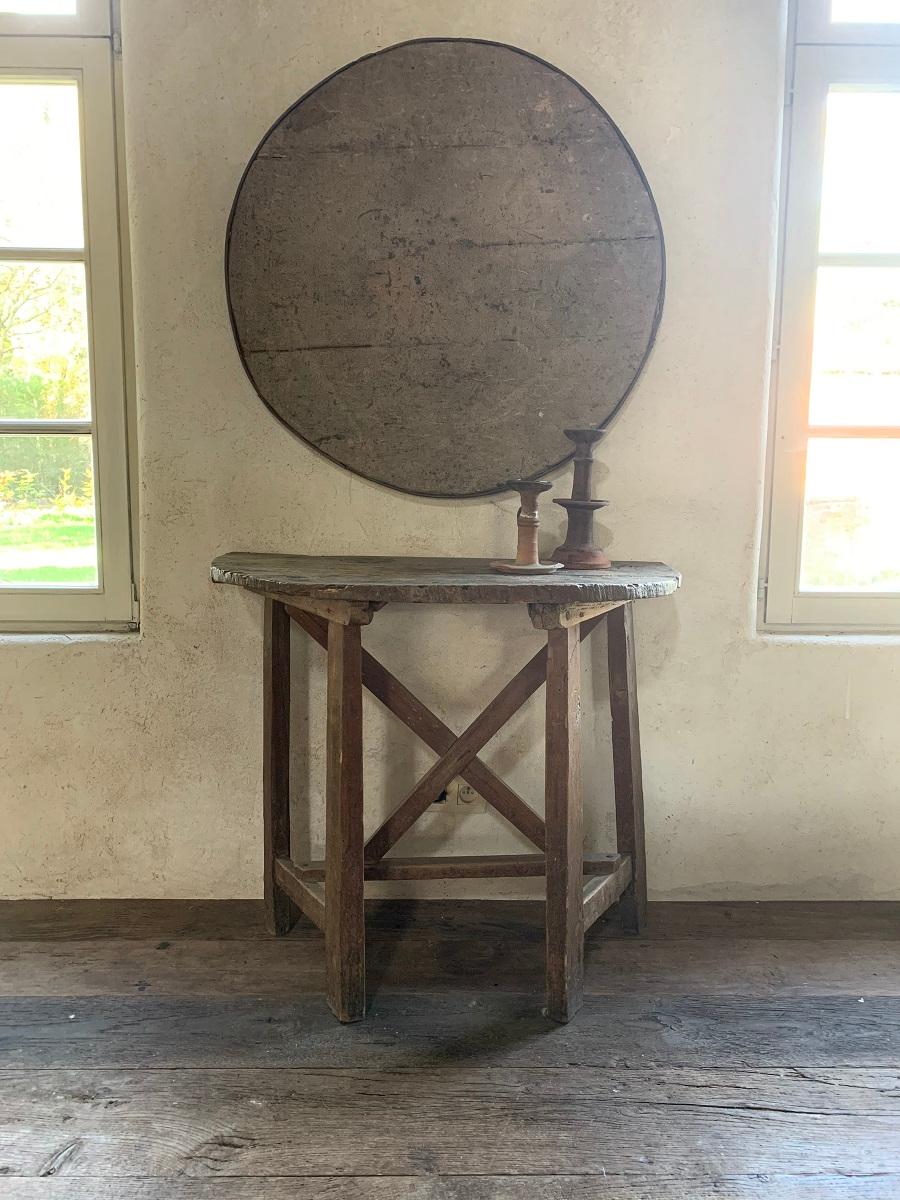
[[578, 551], [527, 561]]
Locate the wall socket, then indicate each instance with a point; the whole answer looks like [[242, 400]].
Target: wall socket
[[458, 798], [467, 798]]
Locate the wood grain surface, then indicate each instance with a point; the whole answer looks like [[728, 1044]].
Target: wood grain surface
[[438, 259], [261, 1122], [816, 1186], [344, 906], [276, 760], [399, 700], [166, 1051], [564, 820], [436, 580]]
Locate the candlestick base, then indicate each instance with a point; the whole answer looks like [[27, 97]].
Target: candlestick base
[[578, 552], [589, 559]]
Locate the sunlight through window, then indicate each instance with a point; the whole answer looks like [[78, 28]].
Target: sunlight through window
[[865, 12], [834, 554], [65, 552], [47, 528], [40, 8]]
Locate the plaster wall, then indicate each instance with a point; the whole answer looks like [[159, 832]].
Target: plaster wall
[[132, 765]]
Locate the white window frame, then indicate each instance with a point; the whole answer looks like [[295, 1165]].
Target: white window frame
[[853, 56], [112, 604]]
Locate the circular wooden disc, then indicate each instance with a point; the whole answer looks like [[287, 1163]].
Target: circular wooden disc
[[438, 259]]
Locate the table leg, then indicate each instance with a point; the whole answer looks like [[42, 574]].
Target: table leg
[[564, 823], [626, 744], [276, 760], [344, 903]]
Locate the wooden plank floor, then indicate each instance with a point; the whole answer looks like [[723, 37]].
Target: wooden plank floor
[[173, 1051]]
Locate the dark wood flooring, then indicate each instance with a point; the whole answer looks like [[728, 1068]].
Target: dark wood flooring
[[173, 1051]]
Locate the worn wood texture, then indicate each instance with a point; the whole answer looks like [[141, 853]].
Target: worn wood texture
[[436, 580], [343, 612], [435, 1027], [505, 704], [455, 960], [464, 749], [810, 1185], [505, 953], [345, 933], [814, 922], [654, 1122], [560, 616], [241, 1086], [276, 760], [399, 700], [602, 891], [438, 259], [469, 866], [626, 746], [565, 827], [307, 894]]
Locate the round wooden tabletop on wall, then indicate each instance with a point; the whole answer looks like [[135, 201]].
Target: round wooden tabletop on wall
[[437, 260]]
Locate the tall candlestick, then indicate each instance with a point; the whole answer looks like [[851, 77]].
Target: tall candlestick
[[578, 551]]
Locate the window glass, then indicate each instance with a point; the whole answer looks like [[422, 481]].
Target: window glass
[[861, 177], [41, 8], [40, 200], [865, 12], [43, 342], [47, 523], [850, 539], [48, 532], [856, 348]]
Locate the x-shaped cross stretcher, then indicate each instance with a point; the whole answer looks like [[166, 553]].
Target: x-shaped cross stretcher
[[331, 893]]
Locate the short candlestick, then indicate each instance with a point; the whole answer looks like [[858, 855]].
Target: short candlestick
[[527, 561]]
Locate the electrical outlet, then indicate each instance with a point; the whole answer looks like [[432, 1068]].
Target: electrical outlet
[[468, 798], [458, 799]]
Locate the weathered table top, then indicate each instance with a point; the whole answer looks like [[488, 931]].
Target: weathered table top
[[440, 258], [437, 580]]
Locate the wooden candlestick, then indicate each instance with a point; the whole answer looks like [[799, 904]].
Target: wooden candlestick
[[527, 561], [578, 551]]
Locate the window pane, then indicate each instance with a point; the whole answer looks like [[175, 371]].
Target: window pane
[[850, 531], [41, 8], [861, 174], [865, 12], [47, 526], [40, 199], [856, 349], [43, 341]]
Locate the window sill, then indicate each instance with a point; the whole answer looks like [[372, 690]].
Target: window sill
[[17, 633], [806, 635]]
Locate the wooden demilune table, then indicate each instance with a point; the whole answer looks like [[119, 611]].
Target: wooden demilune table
[[332, 599]]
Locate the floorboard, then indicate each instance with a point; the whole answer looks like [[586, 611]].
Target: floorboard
[[164, 1051], [452, 1028], [425, 959], [470, 1187], [474, 1120], [244, 920]]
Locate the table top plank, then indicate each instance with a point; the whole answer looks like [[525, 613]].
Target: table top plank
[[436, 580]]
